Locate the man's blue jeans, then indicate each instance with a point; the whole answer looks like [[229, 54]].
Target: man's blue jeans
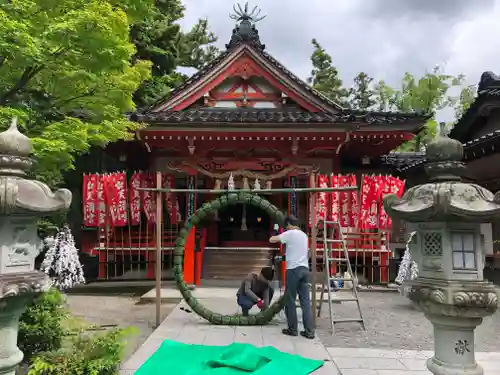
[[297, 281]]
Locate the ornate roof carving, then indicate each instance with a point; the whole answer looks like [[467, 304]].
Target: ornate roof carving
[[246, 32]]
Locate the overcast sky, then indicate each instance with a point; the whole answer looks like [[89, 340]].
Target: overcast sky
[[384, 38]]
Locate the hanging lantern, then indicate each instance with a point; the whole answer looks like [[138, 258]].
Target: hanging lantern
[[245, 184], [256, 185], [230, 182], [244, 227]]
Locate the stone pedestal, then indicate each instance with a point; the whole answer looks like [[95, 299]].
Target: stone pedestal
[[448, 245], [17, 291], [22, 202], [454, 346]]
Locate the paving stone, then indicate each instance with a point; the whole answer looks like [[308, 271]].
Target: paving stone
[[328, 368], [490, 365], [357, 371], [369, 363], [414, 364], [402, 372], [280, 342], [219, 338], [313, 350]]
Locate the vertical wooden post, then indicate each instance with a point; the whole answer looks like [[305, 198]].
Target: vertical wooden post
[[312, 212], [159, 211]]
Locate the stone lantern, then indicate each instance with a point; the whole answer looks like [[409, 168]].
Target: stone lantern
[[448, 246], [22, 203]]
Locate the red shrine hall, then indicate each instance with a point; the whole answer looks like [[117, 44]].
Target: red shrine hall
[[246, 121]]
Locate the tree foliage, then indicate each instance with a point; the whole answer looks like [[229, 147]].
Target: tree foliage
[[159, 39], [67, 73], [70, 70], [362, 94], [325, 77], [427, 95]]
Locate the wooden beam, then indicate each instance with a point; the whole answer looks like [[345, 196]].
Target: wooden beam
[[312, 209]]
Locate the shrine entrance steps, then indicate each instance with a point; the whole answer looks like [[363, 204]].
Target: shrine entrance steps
[[234, 263]]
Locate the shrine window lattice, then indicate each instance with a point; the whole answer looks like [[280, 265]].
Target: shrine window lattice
[[432, 244]]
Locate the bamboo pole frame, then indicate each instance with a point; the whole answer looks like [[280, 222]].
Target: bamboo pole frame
[[312, 208], [159, 236], [312, 212], [260, 191]]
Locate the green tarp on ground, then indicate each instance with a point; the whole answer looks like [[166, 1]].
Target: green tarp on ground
[[182, 359]]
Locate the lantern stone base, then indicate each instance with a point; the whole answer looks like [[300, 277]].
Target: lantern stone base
[[454, 346], [455, 309], [16, 292]]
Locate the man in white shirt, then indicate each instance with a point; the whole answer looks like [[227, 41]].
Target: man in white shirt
[[297, 277]]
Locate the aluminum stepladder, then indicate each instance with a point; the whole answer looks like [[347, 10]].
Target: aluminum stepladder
[[330, 229]]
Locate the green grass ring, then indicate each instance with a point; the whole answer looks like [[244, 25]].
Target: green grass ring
[[263, 317]]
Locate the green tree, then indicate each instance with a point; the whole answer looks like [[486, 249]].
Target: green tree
[[159, 38], [67, 73], [325, 77], [427, 95], [362, 94], [464, 100]]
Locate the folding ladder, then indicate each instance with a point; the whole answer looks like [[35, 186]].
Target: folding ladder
[[330, 228]]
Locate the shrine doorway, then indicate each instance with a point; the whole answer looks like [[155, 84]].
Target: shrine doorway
[[244, 226]]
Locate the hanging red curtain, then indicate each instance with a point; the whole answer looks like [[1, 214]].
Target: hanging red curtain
[[90, 217], [322, 203], [115, 190], [384, 189], [396, 186], [148, 200], [344, 204], [369, 189], [334, 208], [135, 198], [354, 202], [100, 201], [168, 182]]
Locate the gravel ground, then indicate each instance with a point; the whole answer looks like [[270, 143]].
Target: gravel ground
[[393, 323], [120, 310]]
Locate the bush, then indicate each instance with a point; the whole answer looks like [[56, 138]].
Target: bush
[[89, 355], [41, 327]]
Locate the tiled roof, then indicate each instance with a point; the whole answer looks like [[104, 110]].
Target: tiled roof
[[213, 115], [402, 159], [234, 115], [488, 89], [468, 146]]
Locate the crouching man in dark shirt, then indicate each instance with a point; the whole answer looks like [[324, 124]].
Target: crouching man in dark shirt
[[256, 289]]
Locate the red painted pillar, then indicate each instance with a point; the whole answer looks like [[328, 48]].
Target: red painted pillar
[[384, 267], [190, 246]]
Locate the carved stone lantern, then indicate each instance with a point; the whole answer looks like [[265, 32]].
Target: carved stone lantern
[[446, 214], [22, 203]]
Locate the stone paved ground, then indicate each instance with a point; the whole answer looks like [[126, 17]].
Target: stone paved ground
[[120, 310], [393, 323]]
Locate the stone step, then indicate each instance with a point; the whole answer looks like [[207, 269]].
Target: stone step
[[234, 264]]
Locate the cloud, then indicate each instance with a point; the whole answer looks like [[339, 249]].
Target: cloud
[[444, 9], [384, 38]]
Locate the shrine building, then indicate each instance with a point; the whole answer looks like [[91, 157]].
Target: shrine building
[[245, 119]]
